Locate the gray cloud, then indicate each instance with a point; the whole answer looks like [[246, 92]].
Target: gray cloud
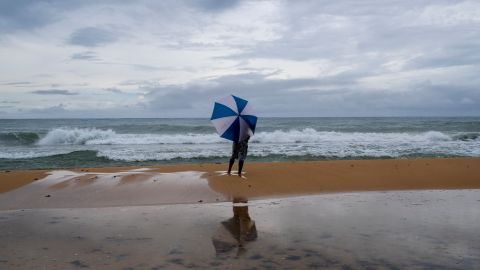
[[452, 55], [22, 83], [144, 67], [87, 55], [9, 102], [141, 67], [400, 58], [20, 15], [55, 111], [371, 32], [288, 98], [92, 37], [114, 90], [26, 15], [60, 111], [54, 92], [134, 83], [134, 66], [214, 5]]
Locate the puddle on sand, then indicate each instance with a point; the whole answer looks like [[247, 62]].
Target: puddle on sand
[[374, 230], [68, 189]]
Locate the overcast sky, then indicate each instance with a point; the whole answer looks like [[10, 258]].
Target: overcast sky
[[289, 58]]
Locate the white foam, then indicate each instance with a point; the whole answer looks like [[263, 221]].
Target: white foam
[[138, 139], [30, 153], [74, 136], [290, 143], [150, 154], [310, 135], [93, 136]]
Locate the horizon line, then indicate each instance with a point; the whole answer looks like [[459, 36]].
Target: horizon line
[[207, 118]]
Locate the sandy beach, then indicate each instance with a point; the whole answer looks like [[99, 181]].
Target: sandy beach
[[354, 127], [359, 214], [193, 183]]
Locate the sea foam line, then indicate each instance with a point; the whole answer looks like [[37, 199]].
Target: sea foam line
[[93, 136]]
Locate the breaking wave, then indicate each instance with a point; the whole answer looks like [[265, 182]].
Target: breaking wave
[[64, 143], [74, 136], [18, 138], [93, 136], [73, 147]]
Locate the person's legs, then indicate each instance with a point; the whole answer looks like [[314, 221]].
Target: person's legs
[[232, 160], [240, 167]]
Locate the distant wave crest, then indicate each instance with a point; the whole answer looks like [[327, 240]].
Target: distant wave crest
[[74, 136], [93, 136], [18, 138]]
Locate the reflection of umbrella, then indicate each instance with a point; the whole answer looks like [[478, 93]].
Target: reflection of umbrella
[[233, 119]]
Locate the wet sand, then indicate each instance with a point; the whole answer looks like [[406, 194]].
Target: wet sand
[[204, 183], [196, 216], [10, 180], [370, 230]]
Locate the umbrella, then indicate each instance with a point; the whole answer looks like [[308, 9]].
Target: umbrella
[[233, 119]]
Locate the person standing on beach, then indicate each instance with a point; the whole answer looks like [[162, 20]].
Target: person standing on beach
[[239, 151]]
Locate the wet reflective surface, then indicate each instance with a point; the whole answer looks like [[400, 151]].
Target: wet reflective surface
[[235, 233], [69, 189], [374, 230]]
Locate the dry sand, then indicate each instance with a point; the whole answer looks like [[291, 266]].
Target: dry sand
[[194, 183]]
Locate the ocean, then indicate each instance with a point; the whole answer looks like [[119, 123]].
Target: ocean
[[62, 143]]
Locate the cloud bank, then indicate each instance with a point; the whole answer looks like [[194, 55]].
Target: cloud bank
[[289, 58], [54, 92]]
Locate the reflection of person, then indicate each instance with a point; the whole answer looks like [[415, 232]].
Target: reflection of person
[[239, 151], [236, 231]]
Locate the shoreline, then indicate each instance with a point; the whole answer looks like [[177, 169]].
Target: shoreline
[[204, 183]]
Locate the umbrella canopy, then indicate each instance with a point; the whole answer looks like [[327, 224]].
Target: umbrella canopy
[[233, 119]]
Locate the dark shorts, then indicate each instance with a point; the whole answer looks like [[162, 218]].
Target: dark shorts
[[239, 151]]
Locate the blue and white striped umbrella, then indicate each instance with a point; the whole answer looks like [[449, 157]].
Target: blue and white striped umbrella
[[233, 119]]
